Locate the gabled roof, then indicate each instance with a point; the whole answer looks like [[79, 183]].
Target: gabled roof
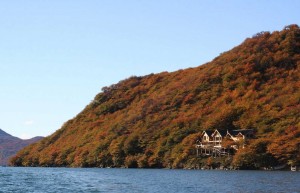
[[232, 133], [208, 132], [229, 134], [221, 132]]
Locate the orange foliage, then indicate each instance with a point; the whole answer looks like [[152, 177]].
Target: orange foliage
[[151, 121]]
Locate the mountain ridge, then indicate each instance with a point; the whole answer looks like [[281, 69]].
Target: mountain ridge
[[4, 134], [10, 145], [155, 120]]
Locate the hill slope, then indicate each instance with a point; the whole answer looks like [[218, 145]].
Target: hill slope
[[10, 145], [155, 120]]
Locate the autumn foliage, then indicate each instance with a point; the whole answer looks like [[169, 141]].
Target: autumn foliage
[[155, 120]]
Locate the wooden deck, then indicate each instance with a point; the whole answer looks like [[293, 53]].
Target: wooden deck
[[208, 150]]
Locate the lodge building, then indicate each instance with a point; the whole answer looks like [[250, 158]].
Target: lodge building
[[212, 142]]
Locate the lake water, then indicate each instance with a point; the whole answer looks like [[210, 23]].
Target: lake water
[[144, 180]]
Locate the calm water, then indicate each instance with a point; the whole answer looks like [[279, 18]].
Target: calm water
[[144, 180]]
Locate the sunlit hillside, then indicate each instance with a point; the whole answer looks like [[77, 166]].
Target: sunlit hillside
[[154, 121]]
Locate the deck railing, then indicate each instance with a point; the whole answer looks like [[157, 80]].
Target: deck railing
[[216, 151]]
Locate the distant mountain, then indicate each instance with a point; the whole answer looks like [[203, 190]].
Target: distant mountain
[[3, 134], [10, 145], [155, 120]]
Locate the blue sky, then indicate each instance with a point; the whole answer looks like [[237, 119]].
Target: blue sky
[[56, 55]]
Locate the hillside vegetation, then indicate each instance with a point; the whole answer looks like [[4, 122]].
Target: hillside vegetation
[[154, 121]]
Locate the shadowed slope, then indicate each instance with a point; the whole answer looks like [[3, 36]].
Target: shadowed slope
[[10, 145]]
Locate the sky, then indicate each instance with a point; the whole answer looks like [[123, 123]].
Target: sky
[[56, 55]]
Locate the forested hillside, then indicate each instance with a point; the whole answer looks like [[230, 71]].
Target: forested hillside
[[155, 120]]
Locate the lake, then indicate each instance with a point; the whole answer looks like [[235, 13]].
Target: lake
[[144, 180]]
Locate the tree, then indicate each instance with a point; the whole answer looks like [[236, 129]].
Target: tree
[[286, 146], [117, 152], [254, 156]]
